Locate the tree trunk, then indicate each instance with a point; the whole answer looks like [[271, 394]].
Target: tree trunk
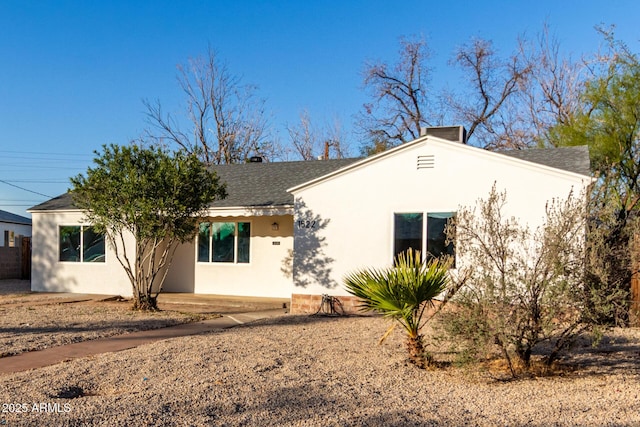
[[145, 303], [416, 351]]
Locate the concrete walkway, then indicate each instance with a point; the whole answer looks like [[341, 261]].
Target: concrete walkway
[[53, 355]]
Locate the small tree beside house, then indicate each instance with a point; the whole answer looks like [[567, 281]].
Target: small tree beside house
[[403, 293], [152, 195]]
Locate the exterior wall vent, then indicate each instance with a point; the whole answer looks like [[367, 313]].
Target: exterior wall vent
[[426, 162]]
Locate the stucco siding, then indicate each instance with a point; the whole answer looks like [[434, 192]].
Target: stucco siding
[[48, 274], [268, 272], [353, 211]]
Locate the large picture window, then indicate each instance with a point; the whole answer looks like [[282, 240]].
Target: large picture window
[[226, 242], [79, 243], [410, 232]]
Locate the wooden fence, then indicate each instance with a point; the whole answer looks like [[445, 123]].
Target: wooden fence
[[15, 262]]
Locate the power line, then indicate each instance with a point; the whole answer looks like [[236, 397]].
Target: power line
[[25, 189], [47, 154], [38, 181]]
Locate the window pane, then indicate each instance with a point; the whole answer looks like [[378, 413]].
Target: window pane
[[70, 243], [244, 237], [436, 237], [407, 232], [223, 240], [203, 242], [93, 245]]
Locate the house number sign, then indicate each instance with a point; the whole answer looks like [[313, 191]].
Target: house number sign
[[306, 224]]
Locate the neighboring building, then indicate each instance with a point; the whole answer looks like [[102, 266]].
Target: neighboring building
[[12, 227], [294, 229], [14, 246]]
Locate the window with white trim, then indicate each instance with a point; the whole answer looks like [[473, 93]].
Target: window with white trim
[[424, 232], [80, 243], [225, 242]]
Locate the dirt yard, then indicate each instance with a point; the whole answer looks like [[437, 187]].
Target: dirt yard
[[291, 371]]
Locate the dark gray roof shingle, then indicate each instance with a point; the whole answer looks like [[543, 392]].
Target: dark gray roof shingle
[[572, 159], [266, 184], [248, 184], [13, 218]]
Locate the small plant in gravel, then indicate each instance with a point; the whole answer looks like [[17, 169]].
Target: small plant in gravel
[[402, 293]]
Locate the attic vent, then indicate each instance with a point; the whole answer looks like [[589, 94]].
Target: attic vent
[[427, 162]]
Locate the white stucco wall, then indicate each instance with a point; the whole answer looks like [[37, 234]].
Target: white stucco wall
[[48, 274], [263, 276], [354, 211], [180, 277], [18, 230]]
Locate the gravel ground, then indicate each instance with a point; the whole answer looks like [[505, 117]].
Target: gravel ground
[[317, 371], [30, 322]]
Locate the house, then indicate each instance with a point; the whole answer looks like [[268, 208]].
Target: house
[[294, 229], [11, 227], [14, 249]]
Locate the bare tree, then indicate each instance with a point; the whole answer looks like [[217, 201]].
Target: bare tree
[[227, 120], [310, 142], [493, 82], [403, 102], [400, 95], [551, 95], [304, 138]]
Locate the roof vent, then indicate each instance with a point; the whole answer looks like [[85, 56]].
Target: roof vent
[[255, 159], [450, 133]]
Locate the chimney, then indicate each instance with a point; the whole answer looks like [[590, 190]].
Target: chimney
[[450, 133]]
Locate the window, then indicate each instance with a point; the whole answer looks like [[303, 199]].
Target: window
[[410, 233], [436, 236], [79, 243], [227, 242]]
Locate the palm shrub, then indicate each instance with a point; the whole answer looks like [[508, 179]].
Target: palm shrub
[[402, 293]]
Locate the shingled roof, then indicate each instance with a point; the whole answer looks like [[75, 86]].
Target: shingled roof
[[572, 159], [266, 184], [11, 218], [248, 184]]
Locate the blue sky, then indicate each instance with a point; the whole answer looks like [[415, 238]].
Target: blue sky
[[73, 74]]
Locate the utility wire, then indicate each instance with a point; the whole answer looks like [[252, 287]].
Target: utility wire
[[47, 154], [25, 189]]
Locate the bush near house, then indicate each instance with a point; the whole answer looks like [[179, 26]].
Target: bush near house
[[520, 290]]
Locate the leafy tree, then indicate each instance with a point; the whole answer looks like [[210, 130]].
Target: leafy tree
[[608, 121], [402, 293], [152, 196]]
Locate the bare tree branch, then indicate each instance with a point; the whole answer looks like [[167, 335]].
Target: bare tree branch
[[227, 121], [399, 95]]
